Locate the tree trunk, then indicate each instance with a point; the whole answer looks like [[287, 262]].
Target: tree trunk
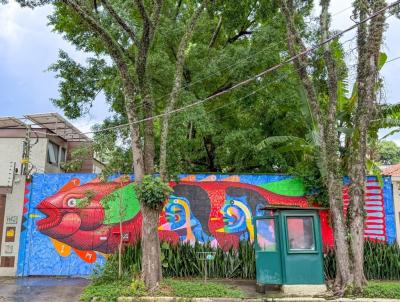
[[179, 69], [151, 253], [343, 275], [327, 140], [369, 40]]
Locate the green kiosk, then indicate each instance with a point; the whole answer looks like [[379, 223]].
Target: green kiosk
[[288, 249]]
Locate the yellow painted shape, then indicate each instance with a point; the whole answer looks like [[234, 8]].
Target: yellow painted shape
[[62, 249], [189, 234]]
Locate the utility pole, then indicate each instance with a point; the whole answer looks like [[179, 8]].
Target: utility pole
[[26, 150]]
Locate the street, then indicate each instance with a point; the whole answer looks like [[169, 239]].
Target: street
[[35, 289]]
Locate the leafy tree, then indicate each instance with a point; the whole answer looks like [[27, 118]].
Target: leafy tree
[[388, 153], [324, 108]]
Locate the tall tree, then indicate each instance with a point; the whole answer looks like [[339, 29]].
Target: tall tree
[[349, 249], [369, 40], [124, 32]]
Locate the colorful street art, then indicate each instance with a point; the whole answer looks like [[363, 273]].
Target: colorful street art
[[71, 221]]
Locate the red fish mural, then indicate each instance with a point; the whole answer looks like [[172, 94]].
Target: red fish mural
[[86, 217]]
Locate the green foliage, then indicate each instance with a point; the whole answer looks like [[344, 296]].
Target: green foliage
[[382, 289], [218, 136], [381, 261], [388, 153], [85, 201], [182, 261], [110, 291], [152, 192], [197, 289], [314, 186], [78, 156]]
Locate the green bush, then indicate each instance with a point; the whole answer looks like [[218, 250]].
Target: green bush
[[381, 261], [152, 192], [183, 261]]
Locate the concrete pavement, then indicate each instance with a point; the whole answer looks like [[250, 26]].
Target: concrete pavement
[[41, 289]]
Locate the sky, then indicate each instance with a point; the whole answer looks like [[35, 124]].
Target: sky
[[28, 46]]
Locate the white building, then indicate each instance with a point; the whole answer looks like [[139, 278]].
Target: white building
[[38, 144]]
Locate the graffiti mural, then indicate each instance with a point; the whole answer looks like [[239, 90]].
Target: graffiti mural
[[72, 221]]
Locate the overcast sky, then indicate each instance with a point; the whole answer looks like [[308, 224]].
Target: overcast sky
[[28, 47]]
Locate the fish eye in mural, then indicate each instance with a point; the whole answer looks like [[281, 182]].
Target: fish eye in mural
[[86, 217], [72, 220]]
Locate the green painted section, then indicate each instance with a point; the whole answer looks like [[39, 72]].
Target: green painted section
[[126, 196], [288, 187]]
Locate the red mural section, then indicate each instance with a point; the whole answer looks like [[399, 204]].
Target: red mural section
[[375, 226], [220, 213]]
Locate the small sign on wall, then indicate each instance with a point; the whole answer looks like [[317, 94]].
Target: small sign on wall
[[8, 249], [11, 219], [10, 234]]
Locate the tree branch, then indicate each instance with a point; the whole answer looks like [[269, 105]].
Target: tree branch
[[242, 32], [122, 23], [179, 73], [117, 54], [216, 32], [331, 69]]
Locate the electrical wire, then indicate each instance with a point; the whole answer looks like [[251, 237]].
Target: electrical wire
[[253, 78], [185, 87], [257, 76]]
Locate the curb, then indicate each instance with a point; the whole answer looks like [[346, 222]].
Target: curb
[[293, 299]]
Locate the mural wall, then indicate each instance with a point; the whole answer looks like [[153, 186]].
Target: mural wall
[[71, 221]]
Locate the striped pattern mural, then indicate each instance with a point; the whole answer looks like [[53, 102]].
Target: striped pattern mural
[[375, 227]]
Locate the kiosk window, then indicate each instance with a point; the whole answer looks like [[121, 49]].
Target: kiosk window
[[300, 234], [266, 234]]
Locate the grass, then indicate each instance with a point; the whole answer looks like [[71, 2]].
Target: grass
[[197, 289], [382, 289], [193, 288], [108, 292]]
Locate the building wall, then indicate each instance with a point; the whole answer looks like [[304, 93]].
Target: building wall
[[10, 236], [205, 208], [11, 151], [396, 203]]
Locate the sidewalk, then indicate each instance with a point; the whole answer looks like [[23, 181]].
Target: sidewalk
[[41, 289]]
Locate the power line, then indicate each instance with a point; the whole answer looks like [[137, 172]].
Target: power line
[[392, 60], [184, 87], [261, 74], [255, 77]]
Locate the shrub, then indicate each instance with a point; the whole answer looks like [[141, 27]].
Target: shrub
[[381, 261], [152, 192]]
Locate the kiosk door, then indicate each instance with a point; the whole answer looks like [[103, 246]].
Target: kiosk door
[[268, 258], [302, 247]]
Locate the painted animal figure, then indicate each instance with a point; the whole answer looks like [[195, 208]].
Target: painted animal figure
[[181, 220], [87, 217]]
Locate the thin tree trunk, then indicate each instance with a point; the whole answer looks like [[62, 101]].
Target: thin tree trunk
[[151, 268], [179, 69], [327, 140], [369, 40], [120, 233]]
